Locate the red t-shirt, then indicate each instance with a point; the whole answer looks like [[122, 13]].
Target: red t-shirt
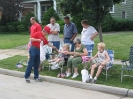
[[35, 28], [38, 35]]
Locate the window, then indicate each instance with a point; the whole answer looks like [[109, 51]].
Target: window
[[44, 8], [123, 1], [111, 9], [124, 15]]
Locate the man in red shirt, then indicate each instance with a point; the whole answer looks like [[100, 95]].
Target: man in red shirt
[[36, 27], [34, 52]]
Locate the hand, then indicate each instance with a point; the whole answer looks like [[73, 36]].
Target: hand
[[39, 40], [103, 63], [71, 39], [92, 38]]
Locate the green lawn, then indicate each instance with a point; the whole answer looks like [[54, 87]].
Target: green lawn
[[119, 42], [112, 80], [8, 41]]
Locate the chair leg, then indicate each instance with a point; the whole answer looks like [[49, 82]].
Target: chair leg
[[106, 73], [121, 75]]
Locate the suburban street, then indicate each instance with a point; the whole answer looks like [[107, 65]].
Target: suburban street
[[17, 88]]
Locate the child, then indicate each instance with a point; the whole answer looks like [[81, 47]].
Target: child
[[103, 59], [61, 56], [34, 53]]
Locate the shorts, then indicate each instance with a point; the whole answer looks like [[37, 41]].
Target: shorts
[[56, 44]]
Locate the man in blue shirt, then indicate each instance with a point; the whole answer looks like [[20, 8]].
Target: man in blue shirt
[[70, 32]]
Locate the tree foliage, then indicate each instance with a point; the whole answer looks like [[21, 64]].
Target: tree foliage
[[95, 10], [49, 13], [10, 9]]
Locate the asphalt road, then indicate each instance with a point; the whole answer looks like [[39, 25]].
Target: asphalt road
[[17, 88]]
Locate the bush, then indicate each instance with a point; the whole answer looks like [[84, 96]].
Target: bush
[[21, 28], [27, 19], [49, 13], [15, 23], [107, 24], [11, 28], [77, 20], [3, 29], [61, 23]]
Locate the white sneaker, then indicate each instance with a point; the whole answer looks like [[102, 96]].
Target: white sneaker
[[53, 63], [53, 67], [56, 65], [50, 60], [75, 75], [68, 74]]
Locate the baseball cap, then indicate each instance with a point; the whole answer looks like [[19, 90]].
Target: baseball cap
[[47, 29]]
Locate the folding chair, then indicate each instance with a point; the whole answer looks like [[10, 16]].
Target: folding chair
[[109, 64], [127, 66]]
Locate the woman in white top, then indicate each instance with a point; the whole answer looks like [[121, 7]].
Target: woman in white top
[[103, 59], [87, 35]]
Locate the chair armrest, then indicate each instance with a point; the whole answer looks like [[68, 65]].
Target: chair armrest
[[124, 61]]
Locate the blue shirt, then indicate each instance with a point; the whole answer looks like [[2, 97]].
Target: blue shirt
[[70, 30]]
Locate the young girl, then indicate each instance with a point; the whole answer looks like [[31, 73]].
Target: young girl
[[103, 59], [62, 54]]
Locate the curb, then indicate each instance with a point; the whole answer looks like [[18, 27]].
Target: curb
[[71, 83]]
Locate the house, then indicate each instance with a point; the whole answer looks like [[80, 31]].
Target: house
[[38, 7], [124, 10]]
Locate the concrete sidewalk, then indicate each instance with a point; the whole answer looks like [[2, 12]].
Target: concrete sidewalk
[[77, 84], [17, 88]]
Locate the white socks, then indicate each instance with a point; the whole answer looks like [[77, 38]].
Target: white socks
[[94, 78]]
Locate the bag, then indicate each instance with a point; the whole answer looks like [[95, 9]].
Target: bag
[[42, 52], [85, 75]]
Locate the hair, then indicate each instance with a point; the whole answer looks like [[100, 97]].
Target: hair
[[86, 22], [101, 45], [66, 17], [33, 18], [78, 41], [67, 46], [52, 18]]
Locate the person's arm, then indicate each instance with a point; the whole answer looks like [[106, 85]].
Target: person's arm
[[50, 45], [94, 35], [85, 53], [94, 56], [107, 58], [75, 34], [54, 32], [35, 40], [75, 31]]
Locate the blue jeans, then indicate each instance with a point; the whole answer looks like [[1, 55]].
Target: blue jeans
[[56, 44], [90, 47], [70, 42], [34, 61]]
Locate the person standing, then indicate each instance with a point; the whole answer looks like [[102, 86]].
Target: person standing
[[87, 35], [70, 32], [36, 27], [34, 53]]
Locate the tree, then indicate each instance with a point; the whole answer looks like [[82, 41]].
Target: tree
[[95, 10], [10, 9], [49, 13]]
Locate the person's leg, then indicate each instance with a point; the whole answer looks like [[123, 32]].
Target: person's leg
[[92, 47], [69, 65], [99, 70], [75, 63], [30, 63], [92, 70], [36, 64]]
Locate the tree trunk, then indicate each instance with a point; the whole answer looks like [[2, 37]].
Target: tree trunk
[[100, 32]]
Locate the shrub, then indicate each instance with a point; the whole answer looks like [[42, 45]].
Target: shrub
[[49, 13], [11, 28], [3, 29], [27, 19], [107, 24], [61, 23], [77, 20], [21, 28]]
